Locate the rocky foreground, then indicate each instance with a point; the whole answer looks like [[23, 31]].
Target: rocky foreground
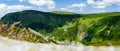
[[23, 34], [13, 45]]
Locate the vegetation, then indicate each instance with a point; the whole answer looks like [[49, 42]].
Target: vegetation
[[101, 29], [63, 12], [90, 29], [22, 34], [39, 20]]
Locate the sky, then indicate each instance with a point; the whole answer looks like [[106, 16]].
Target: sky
[[78, 6]]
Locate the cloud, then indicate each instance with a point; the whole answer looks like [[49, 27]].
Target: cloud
[[68, 9], [102, 3], [77, 5], [21, 0], [74, 7], [49, 3], [4, 9]]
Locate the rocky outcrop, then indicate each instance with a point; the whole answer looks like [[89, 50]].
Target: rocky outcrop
[[23, 34]]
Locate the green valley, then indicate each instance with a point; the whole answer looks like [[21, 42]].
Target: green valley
[[89, 29]]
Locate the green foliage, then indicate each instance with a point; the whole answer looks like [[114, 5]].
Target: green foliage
[[101, 29], [66, 33]]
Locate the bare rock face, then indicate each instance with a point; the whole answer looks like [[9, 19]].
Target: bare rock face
[[83, 35], [13, 45]]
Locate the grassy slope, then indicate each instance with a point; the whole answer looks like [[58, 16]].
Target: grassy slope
[[102, 29]]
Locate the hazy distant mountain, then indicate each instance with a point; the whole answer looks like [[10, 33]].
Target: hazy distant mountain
[[63, 12]]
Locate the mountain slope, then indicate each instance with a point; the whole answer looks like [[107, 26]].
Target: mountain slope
[[90, 29], [39, 20], [22, 34], [100, 29]]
